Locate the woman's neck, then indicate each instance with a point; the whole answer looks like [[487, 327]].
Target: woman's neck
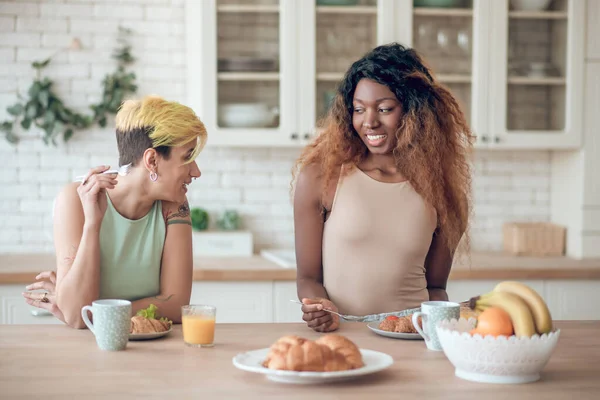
[[131, 197], [382, 162]]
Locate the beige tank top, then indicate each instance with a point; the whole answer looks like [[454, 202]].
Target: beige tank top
[[374, 246]]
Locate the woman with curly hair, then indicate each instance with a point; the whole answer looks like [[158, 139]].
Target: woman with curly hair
[[382, 195]]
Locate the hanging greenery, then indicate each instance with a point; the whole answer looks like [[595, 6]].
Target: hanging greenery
[[44, 109]]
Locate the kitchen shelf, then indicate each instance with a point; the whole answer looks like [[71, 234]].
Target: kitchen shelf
[[248, 8], [446, 78], [347, 9], [538, 14], [337, 76], [330, 76], [442, 12], [525, 80], [248, 76]]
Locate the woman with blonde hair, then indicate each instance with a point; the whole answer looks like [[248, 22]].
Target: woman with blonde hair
[[129, 237], [382, 196]]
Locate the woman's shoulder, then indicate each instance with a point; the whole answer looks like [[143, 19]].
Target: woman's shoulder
[[311, 182], [68, 197]]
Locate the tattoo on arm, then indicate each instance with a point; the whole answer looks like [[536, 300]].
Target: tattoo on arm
[[162, 298], [178, 217]]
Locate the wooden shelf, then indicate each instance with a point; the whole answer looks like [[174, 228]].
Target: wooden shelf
[[442, 12], [447, 78], [347, 9], [330, 76], [248, 76], [538, 14], [337, 76], [247, 8], [525, 80]]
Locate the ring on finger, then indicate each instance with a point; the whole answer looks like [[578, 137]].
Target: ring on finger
[[44, 298]]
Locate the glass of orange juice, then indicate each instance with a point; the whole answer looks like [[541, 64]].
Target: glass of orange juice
[[198, 325]]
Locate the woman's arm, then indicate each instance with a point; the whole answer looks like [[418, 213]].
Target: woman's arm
[[176, 266], [308, 230], [78, 214], [437, 268], [308, 227]]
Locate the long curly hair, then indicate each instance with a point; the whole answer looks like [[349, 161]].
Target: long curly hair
[[433, 137]]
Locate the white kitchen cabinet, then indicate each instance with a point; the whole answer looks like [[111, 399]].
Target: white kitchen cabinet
[[283, 309], [14, 310], [593, 29], [536, 72], [463, 290], [573, 300], [269, 301], [236, 301], [289, 55]]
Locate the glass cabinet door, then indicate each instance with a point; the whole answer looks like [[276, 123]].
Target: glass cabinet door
[[443, 35], [342, 32], [247, 70], [539, 73], [248, 59]]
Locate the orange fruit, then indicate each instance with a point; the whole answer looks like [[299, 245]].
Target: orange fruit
[[494, 321]]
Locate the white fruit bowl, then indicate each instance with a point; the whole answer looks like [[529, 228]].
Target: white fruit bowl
[[494, 360]]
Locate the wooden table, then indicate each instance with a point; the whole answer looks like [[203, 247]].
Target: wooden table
[[46, 362]]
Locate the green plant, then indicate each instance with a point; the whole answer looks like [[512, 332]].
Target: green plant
[[229, 221], [45, 110], [200, 219]]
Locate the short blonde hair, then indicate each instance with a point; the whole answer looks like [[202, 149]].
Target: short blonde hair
[[153, 122]]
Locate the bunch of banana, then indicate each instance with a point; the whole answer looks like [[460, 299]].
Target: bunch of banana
[[526, 308]]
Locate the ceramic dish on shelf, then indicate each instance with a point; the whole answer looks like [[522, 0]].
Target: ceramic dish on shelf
[[247, 64]]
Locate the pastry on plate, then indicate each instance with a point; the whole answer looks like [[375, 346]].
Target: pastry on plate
[[396, 324], [328, 353], [147, 321]]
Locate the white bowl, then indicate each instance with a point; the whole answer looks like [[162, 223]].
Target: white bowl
[[246, 115], [494, 360], [530, 5]]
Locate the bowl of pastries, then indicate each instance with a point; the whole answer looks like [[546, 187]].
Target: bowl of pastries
[[294, 359]]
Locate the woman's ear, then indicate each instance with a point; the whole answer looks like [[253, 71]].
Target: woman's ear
[[150, 160]]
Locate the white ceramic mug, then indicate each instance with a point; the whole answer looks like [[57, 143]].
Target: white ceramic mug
[[112, 323], [431, 313]]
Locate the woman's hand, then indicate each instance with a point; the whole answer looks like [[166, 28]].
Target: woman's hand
[[316, 318], [91, 192], [47, 299]]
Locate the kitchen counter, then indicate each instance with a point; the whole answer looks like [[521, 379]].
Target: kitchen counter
[[54, 361], [22, 268]]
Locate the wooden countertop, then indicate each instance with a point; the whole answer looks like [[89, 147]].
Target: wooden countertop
[[54, 361], [22, 268]]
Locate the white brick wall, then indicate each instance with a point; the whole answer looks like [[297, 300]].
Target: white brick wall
[[508, 185]]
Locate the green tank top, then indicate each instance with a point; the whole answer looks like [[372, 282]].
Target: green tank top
[[131, 254]]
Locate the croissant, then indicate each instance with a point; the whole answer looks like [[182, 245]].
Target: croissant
[[141, 324], [345, 347], [294, 353]]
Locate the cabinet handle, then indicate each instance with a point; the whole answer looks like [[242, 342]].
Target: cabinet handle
[[306, 136], [496, 139], [294, 136], [484, 139]]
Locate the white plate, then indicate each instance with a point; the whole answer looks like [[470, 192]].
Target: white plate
[[374, 326], [251, 361], [148, 336]]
